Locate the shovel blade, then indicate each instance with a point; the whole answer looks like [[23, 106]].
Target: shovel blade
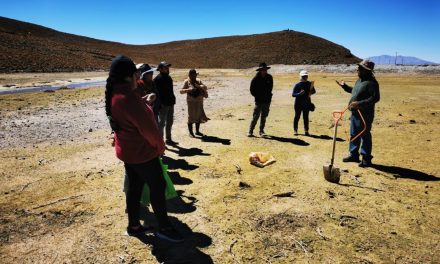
[[332, 174]]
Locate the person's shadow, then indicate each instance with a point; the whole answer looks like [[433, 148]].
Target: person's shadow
[[295, 141], [405, 173], [326, 137], [177, 179], [174, 164], [187, 152], [185, 252], [178, 206], [212, 139]]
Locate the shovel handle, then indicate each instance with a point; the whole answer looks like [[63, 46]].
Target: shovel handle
[[337, 116], [363, 130]]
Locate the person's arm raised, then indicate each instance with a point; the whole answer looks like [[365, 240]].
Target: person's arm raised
[[344, 86]]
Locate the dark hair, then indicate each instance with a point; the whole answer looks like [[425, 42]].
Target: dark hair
[[108, 103], [192, 71], [121, 71]]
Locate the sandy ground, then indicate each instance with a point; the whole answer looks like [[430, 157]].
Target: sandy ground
[[61, 184]]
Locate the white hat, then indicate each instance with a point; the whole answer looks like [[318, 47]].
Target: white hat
[[303, 73]]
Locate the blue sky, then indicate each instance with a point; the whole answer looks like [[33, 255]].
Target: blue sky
[[367, 27]]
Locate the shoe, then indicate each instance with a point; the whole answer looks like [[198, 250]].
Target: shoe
[[262, 134], [190, 130], [135, 232], [295, 133], [365, 163], [351, 159], [250, 134], [170, 142], [169, 234], [307, 134], [199, 134]]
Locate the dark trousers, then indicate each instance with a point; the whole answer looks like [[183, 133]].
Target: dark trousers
[[150, 173], [364, 142], [305, 112], [260, 109]]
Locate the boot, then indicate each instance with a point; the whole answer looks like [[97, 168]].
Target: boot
[[351, 158], [366, 162], [198, 130], [190, 130]]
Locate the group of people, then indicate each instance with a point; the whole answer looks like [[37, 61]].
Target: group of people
[[159, 94], [140, 110], [261, 89], [365, 94]]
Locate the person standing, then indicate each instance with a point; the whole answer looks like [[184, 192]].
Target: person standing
[[261, 90], [139, 145], [365, 95], [302, 92], [147, 88], [196, 91], [164, 85]]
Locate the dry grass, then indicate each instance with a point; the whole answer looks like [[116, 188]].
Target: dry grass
[[386, 214]]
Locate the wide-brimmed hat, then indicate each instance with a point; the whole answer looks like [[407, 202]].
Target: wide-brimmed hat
[[145, 68], [163, 64], [303, 73], [367, 64], [122, 67], [262, 66]]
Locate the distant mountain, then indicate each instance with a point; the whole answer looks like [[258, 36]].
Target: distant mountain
[[400, 60], [27, 47]]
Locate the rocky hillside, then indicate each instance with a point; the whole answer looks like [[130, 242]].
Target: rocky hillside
[[27, 47]]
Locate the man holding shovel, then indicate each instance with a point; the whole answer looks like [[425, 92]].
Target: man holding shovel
[[365, 94]]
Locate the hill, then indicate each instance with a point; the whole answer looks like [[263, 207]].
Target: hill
[[400, 60], [32, 48]]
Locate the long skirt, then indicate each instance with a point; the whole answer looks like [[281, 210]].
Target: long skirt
[[196, 113]]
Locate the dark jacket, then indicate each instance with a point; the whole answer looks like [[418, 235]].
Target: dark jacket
[[164, 86], [261, 88], [302, 101], [138, 140], [366, 92]]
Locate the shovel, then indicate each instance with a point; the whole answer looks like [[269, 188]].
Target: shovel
[[331, 173]]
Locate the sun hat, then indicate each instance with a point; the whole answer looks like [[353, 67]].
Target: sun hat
[[146, 68], [262, 66], [367, 64]]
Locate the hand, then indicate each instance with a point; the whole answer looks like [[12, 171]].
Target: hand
[[151, 98], [301, 92], [340, 83], [354, 105], [111, 139]]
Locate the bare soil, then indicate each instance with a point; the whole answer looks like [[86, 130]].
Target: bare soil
[[32, 48], [61, 184]]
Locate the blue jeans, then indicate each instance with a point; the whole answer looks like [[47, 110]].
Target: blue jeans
[[364, 142]]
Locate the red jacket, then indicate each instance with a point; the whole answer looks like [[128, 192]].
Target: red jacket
[[139, 139]]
